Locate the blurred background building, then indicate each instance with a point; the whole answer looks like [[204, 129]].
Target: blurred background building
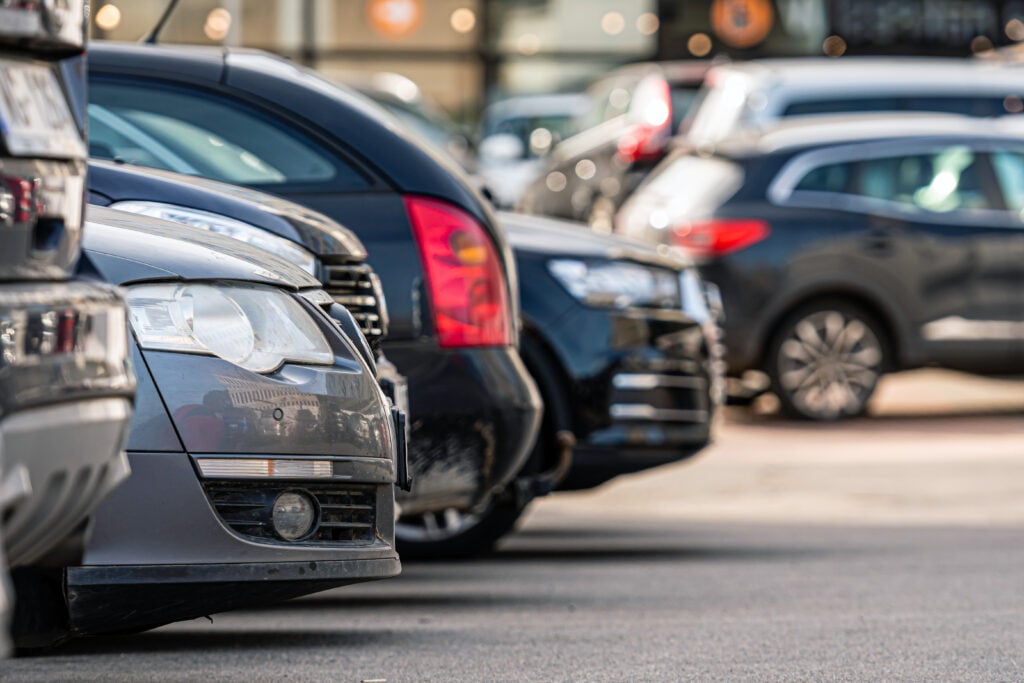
[[466, 52]]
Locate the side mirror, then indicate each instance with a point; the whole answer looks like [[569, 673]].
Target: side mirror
[[502, 148]]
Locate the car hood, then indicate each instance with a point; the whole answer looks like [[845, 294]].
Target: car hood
[[127, 248], [313, 230], [527, 233]]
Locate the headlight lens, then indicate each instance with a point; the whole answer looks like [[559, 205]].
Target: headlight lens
[[618, 284], [257, 328], [244, 232]]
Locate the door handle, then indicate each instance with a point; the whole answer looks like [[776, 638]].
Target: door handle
[[877, 241]]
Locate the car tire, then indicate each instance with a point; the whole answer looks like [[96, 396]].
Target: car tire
[[825, 360], [451, 534]]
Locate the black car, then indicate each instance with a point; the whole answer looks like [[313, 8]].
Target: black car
[[252, 119], [66, 385], [632, 114], [263, 451], [623, 345], [849, 247]]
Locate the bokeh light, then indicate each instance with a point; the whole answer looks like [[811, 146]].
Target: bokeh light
[[647, 23], [699, 44], [613, 23], [463, 20], [834, 46], [218, 23], [528, 44], [108, 17]]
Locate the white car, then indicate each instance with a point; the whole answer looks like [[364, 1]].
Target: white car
[[743, 95], [517, 133]]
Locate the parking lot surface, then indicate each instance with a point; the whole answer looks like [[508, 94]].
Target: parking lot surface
[[884, 548]]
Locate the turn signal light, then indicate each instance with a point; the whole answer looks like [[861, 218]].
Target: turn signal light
[[719, 236], [465, 280]]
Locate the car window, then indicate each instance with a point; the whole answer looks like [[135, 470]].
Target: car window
[[683, 99], [969, 106], [1009, 169], [828, 178], [203, 134], [945, 180]]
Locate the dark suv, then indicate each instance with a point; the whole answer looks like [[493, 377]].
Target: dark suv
[[848, 247], [252, 119]]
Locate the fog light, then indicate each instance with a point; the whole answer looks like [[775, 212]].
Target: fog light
[[293, 516]]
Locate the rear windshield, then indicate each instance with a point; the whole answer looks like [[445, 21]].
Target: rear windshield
[[696, 185], [683, 99], [969, 106]]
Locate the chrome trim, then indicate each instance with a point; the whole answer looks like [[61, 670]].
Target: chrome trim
[[642, 411], [266, 468], [648, 380]]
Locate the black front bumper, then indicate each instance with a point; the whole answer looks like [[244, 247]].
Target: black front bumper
[[637, 385], [132, 597]]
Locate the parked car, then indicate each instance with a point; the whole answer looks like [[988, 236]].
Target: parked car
[[66, 386], [252, 119], [263, 451], [306, 238], [754, 94], [632, 114], [517, 133], [624, 347], [847, 247]]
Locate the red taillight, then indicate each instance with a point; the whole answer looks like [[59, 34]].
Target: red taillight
[[720, 236], [24, 202], [464, 275], [67, 332], [641, 143], [646, 140]]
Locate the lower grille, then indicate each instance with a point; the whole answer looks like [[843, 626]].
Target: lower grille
[[357, 288], [345, 514]]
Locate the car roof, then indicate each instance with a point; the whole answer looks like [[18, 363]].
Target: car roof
[[360, 124], [568, 104], [919, 73], [815, 131]]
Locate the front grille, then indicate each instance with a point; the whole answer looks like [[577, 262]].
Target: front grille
[[357, 288], [345, 513]]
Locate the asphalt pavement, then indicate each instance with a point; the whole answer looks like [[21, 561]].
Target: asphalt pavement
[[887, 548]]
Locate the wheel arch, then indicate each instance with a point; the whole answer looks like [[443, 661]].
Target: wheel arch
[[549, 374]]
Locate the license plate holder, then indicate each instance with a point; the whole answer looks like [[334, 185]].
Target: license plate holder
[[35, 119]]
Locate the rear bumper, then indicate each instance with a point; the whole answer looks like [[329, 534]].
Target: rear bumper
[[61, 461], [474, 415]]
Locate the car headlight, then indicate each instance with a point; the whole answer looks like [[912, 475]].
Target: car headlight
[[618, 284], [239, 230], [257, 328]]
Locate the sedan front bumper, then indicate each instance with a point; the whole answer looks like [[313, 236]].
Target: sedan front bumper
[[212, 448]]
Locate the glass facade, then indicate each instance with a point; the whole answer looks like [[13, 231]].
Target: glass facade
[[464, 52]]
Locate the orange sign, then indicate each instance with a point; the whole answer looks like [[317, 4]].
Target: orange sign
[[394, 18], [742, 23]]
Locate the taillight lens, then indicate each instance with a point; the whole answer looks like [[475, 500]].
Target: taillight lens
[[646, 140], [719, 236], [465, 280]]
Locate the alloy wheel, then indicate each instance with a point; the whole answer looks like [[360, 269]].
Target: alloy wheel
[[827, 364]]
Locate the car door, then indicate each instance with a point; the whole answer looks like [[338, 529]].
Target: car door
[[932, 228]]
